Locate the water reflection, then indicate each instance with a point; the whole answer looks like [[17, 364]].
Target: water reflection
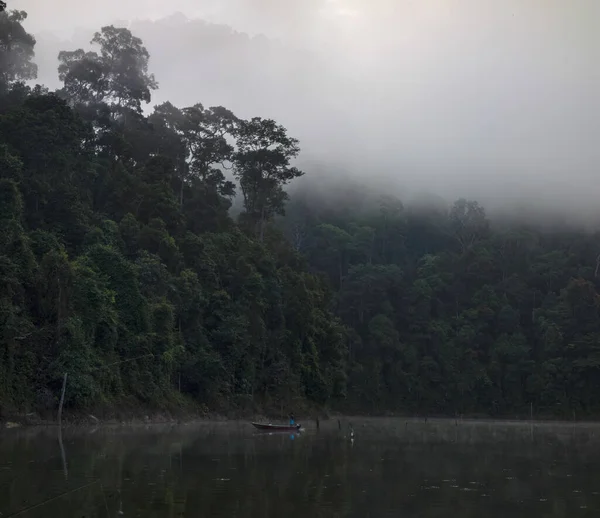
[[388, 468]]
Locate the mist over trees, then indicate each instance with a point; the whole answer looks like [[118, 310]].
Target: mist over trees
[[450, 313], [121, 264], [396, 93]]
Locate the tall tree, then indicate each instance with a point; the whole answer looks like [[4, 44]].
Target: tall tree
[[16, 48], [117, 76], [262, 165], [206, 132], [197, 140], [468, 222]]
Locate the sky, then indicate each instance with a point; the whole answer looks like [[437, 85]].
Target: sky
[[476, 98]]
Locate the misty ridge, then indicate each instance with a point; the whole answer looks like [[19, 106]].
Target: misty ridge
[[496, 105]]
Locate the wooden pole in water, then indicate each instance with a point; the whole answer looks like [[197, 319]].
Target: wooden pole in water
[[531, 410], [62, 453], [62, 400]]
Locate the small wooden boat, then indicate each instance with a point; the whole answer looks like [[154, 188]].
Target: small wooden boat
[[277, 427]]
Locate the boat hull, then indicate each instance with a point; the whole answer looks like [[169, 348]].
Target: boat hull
[[276, 427]]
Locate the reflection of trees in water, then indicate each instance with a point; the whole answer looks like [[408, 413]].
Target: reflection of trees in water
[[425, 470]]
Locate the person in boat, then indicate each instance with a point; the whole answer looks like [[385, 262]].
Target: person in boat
[[292, 420]]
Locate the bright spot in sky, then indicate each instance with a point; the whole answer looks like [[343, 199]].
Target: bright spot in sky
[[338, 8]]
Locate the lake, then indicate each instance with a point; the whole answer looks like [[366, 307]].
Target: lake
[[394, 467]]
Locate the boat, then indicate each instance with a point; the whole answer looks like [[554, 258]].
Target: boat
[[277, 427]]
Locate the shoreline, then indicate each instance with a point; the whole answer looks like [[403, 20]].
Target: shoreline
[[182, 417]]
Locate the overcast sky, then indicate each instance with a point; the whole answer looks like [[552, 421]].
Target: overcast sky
[[488, 98]]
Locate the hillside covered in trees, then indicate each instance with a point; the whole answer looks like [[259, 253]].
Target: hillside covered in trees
[[122, 265]]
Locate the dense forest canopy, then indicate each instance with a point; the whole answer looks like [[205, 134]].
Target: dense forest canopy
[[121, 264]]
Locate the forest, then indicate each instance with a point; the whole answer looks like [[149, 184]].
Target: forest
[[123, 265]]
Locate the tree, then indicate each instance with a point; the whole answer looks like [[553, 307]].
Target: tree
[[197, 139], [16, 48], [118, 76], [206, 132], [332, 245], [167, 139], [468, 223], [262, 167]]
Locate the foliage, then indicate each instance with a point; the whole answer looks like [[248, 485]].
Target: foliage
[[118, 75], [262, 167], [121, 264], [16, 48], [450, 314]]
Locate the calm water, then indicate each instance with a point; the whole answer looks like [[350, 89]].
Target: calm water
[[393, 468]]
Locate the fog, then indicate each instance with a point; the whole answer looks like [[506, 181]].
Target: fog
[[498, 101]]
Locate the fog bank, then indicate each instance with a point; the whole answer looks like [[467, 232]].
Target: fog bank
[[498, 101]]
